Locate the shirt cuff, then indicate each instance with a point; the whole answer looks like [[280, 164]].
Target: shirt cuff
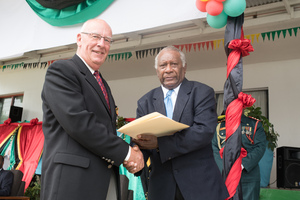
[[128, 154]]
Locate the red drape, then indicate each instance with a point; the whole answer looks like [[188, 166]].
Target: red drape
[[30, 147], [6, 130], [30, 142]]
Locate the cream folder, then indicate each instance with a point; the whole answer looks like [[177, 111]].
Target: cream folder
[[152, 124]]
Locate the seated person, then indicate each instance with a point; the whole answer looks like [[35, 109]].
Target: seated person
[[6, 179]]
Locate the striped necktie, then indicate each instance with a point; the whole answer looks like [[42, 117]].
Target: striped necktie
[[168, 104], [99, 80]]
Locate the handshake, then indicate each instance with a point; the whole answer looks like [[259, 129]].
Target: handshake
[[135, 162]]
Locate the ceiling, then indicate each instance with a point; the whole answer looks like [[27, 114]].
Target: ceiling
[[260, 16]]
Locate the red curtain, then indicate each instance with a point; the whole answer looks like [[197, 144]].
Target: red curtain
[[30, 142], [6, 130], [30, 147]]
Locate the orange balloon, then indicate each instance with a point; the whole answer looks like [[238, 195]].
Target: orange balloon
[[214, 8], [201, 5]]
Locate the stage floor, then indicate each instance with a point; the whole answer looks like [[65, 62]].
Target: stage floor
[[279, 194]]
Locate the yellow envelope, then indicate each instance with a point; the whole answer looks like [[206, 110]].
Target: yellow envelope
[[152, 124]]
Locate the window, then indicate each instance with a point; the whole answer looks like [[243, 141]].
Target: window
[[5, 104], [261, 96]]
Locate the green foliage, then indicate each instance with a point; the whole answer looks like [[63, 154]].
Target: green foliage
[[34, 189], [271, 134], [120, 122]]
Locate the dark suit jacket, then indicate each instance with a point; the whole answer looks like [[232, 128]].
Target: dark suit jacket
[[185, 158], [81, 143], [6, 181]]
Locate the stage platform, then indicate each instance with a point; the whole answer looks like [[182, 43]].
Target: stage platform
[[279, 194]]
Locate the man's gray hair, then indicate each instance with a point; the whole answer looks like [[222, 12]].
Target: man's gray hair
[[171, 48]]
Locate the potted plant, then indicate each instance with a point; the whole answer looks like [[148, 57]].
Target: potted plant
[[266, 162]]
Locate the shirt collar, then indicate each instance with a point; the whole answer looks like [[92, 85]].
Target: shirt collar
[[165, 90], [91, 70]]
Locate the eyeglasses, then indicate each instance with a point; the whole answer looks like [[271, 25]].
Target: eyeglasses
[[97, 37]]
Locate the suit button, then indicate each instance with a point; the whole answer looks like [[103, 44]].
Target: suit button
[[109, 166], [112, 162]]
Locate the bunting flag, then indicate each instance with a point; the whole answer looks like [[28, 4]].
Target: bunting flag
[[145, 52], [207, 45], [119, 56]]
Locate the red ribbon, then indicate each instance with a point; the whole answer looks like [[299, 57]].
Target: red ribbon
[[34, 121], [239, 47], [7, 122], [234, 112]]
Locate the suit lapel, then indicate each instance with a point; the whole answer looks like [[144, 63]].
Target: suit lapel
[[158, 101], [91, 79], [182, 99]]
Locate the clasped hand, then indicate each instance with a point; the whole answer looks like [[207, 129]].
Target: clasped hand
[[146, 141], [136, 160]]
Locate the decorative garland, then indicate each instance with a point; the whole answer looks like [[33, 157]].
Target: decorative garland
[[213, 44]]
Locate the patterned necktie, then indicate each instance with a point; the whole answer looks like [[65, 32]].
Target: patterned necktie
[[168, 104], [99, 80]]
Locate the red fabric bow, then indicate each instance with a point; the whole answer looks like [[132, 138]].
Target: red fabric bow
[[34, 121], [238, 46], [243, 46], [7, 122]]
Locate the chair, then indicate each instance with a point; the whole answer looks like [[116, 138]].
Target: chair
[[17, 189]]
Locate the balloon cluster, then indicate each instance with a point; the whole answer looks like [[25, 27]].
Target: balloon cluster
[[219, 10]]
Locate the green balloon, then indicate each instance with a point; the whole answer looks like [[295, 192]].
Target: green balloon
[[234, 8], [218, 21]]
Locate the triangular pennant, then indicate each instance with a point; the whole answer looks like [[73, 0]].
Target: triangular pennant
[[215, 44], [143, 53], [252, 37], [290, 31], [181, 47], [268, 34], [137, 55], [257, 36], [154, 50], [212, 45], [176, 46], [203, 45], [207, 45], [273, 35], [263, 35], [195, 46], [295, 31], [278, 33], [284, 33], [129, 55], [146, 52], [199, 45]]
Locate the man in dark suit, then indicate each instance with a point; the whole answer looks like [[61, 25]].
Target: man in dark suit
[[6, 179], [82, 151], [182, 165]]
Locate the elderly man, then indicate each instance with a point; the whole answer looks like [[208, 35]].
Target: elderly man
[[182, 165], [82, 151]]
